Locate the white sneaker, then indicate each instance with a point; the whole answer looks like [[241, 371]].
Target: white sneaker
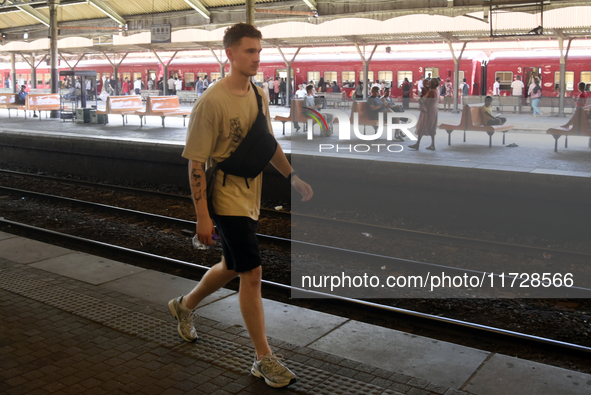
[[273, 371], [185, 319]]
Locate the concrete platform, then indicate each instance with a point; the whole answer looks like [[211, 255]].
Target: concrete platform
[[67, 330]]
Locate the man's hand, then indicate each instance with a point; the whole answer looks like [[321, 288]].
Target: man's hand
[[205, 230], [303, 188]]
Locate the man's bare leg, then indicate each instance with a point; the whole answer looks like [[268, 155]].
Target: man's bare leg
[[214, 279], [251, 306]]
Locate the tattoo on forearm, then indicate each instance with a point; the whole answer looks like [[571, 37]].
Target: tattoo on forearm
[[196, 177], [198, 196]]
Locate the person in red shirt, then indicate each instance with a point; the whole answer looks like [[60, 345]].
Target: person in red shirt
[[125, 87]]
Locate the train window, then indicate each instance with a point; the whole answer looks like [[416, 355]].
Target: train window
[[189, 80], [369, 76], [505, 79], [348, 77], [126, 75], [386, 78], [569, 79], [216, 76], [23, 79], [314, 76], [402, 75], [586, 78], [47, 77], [431, 72], [330, 76], [259, 77], [137, 75], [152, 75], [202, 75], [39, 79]]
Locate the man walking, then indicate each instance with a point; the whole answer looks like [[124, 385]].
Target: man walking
[[221, 120]]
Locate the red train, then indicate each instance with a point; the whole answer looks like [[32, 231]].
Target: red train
[[479, 70]]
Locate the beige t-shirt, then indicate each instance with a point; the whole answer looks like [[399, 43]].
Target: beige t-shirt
[[218, 123]]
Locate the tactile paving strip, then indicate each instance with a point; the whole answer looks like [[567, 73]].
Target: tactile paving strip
[[222, 353]]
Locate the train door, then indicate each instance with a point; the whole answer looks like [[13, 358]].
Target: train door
[[152, 75], [529, 74]]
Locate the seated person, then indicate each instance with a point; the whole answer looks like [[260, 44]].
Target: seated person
[[21, 98], [309, 101], [487, 116], [391, 106], [335, 87], [301, 92]]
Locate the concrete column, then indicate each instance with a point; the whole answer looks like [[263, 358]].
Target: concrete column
[[365, 78], [116, 72], [33, 73], [250, 12], [53, 53], [563, 59], [13, 72], [456, 82], [165, 81]]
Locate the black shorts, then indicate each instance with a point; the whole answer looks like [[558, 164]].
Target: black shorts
[[240, 246]]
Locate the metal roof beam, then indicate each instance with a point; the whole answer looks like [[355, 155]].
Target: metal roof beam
[[312, 4], [34, 13], [199, 7], [108, 11]]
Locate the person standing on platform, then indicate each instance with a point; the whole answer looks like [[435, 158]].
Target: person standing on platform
[[170, 84], [113, 85], [405, 86], [199, 86], [517, 90], [223, 119], [7, 82], [126, 87], [178, 85], [265, 88], [335, 87], [429, 108], [282, 91], [205, 82], [497, 90], [150, 84], [535, 94], [137, 85], [276, 90], [420, 86], [449, 94], [465, 89]]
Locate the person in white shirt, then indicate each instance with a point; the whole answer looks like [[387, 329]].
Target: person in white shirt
[[178, 85], [137, 85], [150, 84], [420, 86], [170, 84], [517, 90], [301, 92], [517, 87], [497, 89]]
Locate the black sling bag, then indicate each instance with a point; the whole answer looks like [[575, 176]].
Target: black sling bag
[[250, 157]]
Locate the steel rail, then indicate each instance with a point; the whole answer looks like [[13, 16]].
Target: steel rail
[[131, 213], [377, 259], [481, 330]]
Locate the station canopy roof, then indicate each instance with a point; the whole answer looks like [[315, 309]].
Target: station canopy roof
[[109, 26]]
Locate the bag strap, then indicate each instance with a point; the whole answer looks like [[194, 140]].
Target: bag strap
[[259, 98]]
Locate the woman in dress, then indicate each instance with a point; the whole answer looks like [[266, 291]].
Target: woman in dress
[[428, 106]]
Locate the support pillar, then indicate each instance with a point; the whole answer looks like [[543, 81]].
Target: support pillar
[[13, 72], [365, 68], [33, 73], [115, 69], [222, 64], [250, 12], [563, 59], [456, 82], [165, 69], [55, 79], [288, 82]]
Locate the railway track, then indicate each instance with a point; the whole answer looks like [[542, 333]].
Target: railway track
[[484, 334], [429, 237]]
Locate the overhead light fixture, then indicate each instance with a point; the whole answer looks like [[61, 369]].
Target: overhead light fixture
[[26, 35]]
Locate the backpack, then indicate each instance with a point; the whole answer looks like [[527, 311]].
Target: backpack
[[536, 89], [465, 89], [442, 91]]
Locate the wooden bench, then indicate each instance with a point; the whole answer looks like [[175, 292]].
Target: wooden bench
[[43, 102], [281, 119], [8, 101], [472, 121], [578, 125], [336, 99], [162, 106], [122, 105]]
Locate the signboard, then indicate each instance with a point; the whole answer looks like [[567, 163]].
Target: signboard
[[160, 33]]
